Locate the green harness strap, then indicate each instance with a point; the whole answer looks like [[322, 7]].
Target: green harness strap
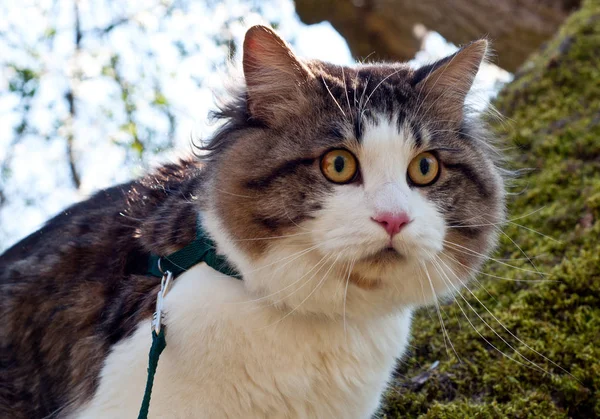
[[159, 343], [202, 249]]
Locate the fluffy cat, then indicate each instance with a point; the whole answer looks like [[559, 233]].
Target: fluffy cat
[[332, 190]]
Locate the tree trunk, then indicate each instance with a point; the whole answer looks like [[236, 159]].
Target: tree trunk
[[384, 28]]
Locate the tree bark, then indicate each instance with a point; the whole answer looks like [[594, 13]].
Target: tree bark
[[384, 28]]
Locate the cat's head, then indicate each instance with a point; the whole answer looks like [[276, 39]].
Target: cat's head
[[352, 189]]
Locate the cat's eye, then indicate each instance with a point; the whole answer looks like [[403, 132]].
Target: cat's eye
[[424, 169], [339, 166]]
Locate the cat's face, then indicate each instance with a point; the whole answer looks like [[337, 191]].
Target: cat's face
[[340, 189]]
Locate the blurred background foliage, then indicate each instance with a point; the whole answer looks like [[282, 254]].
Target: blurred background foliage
[[94, 92]]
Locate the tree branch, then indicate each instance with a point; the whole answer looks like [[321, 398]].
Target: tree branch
[[70, 96], [385, 27]]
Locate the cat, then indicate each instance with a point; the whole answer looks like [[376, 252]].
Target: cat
[[332, 190]]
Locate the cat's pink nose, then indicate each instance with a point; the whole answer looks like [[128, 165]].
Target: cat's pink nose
[[392, 222]]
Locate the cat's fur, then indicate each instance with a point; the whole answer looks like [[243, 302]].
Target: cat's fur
[[323, 312]]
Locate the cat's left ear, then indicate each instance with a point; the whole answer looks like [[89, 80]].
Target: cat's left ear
[[275, 77], [445, 84]]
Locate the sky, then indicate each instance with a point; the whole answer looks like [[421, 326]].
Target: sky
[[168, 52]]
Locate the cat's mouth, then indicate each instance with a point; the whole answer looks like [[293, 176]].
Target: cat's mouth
[[388, 254]]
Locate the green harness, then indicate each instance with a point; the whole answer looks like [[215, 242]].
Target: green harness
[[202, 249]]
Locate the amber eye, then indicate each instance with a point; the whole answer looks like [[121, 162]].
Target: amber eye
[[423, 170], [339, 166]]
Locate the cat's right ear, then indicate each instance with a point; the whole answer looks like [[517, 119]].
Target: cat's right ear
[[274, 76], [447, 82]]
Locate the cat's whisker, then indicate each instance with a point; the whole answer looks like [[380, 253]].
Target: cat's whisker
[[467, 251], [234, 194], [347, 97], [355, 84], [346, 298], [481, 286], [377, 86], [129, 217], [360, 105], [444, 276], [287, 214], [364, 60], [498, 116], [308, 296], [293, 257], [536, 232], [509, 259], [447, 280], [422, 287], [478, 272], [425, 299], [287, 286], [329, 256], [463, 223], [65, 407], [473, 252], [299, 255], [332, 97], [507, 329], [451, 131], [324, 210], [501, 223], [520, 249], [345, 267], [419, 102], [437, 305], [481, 140], [275, 237]]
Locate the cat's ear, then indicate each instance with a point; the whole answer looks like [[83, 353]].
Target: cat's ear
[[274, 76], [445, 84]]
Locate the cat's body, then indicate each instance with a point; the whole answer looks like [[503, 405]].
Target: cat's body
[[301, 367], [78, 286], [370, 197]]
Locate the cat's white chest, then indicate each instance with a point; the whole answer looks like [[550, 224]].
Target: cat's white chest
[[230, 357]]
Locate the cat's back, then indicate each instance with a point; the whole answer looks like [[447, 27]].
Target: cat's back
[[76, 287]]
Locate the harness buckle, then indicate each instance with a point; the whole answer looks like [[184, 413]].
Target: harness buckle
[[159, 315]]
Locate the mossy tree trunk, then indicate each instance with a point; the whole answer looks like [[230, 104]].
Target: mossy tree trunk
[[552, 122], [384, 28]]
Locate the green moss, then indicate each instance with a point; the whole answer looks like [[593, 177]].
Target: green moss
[[553, 116]]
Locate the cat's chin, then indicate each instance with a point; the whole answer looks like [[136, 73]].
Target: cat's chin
[[378, 265]]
